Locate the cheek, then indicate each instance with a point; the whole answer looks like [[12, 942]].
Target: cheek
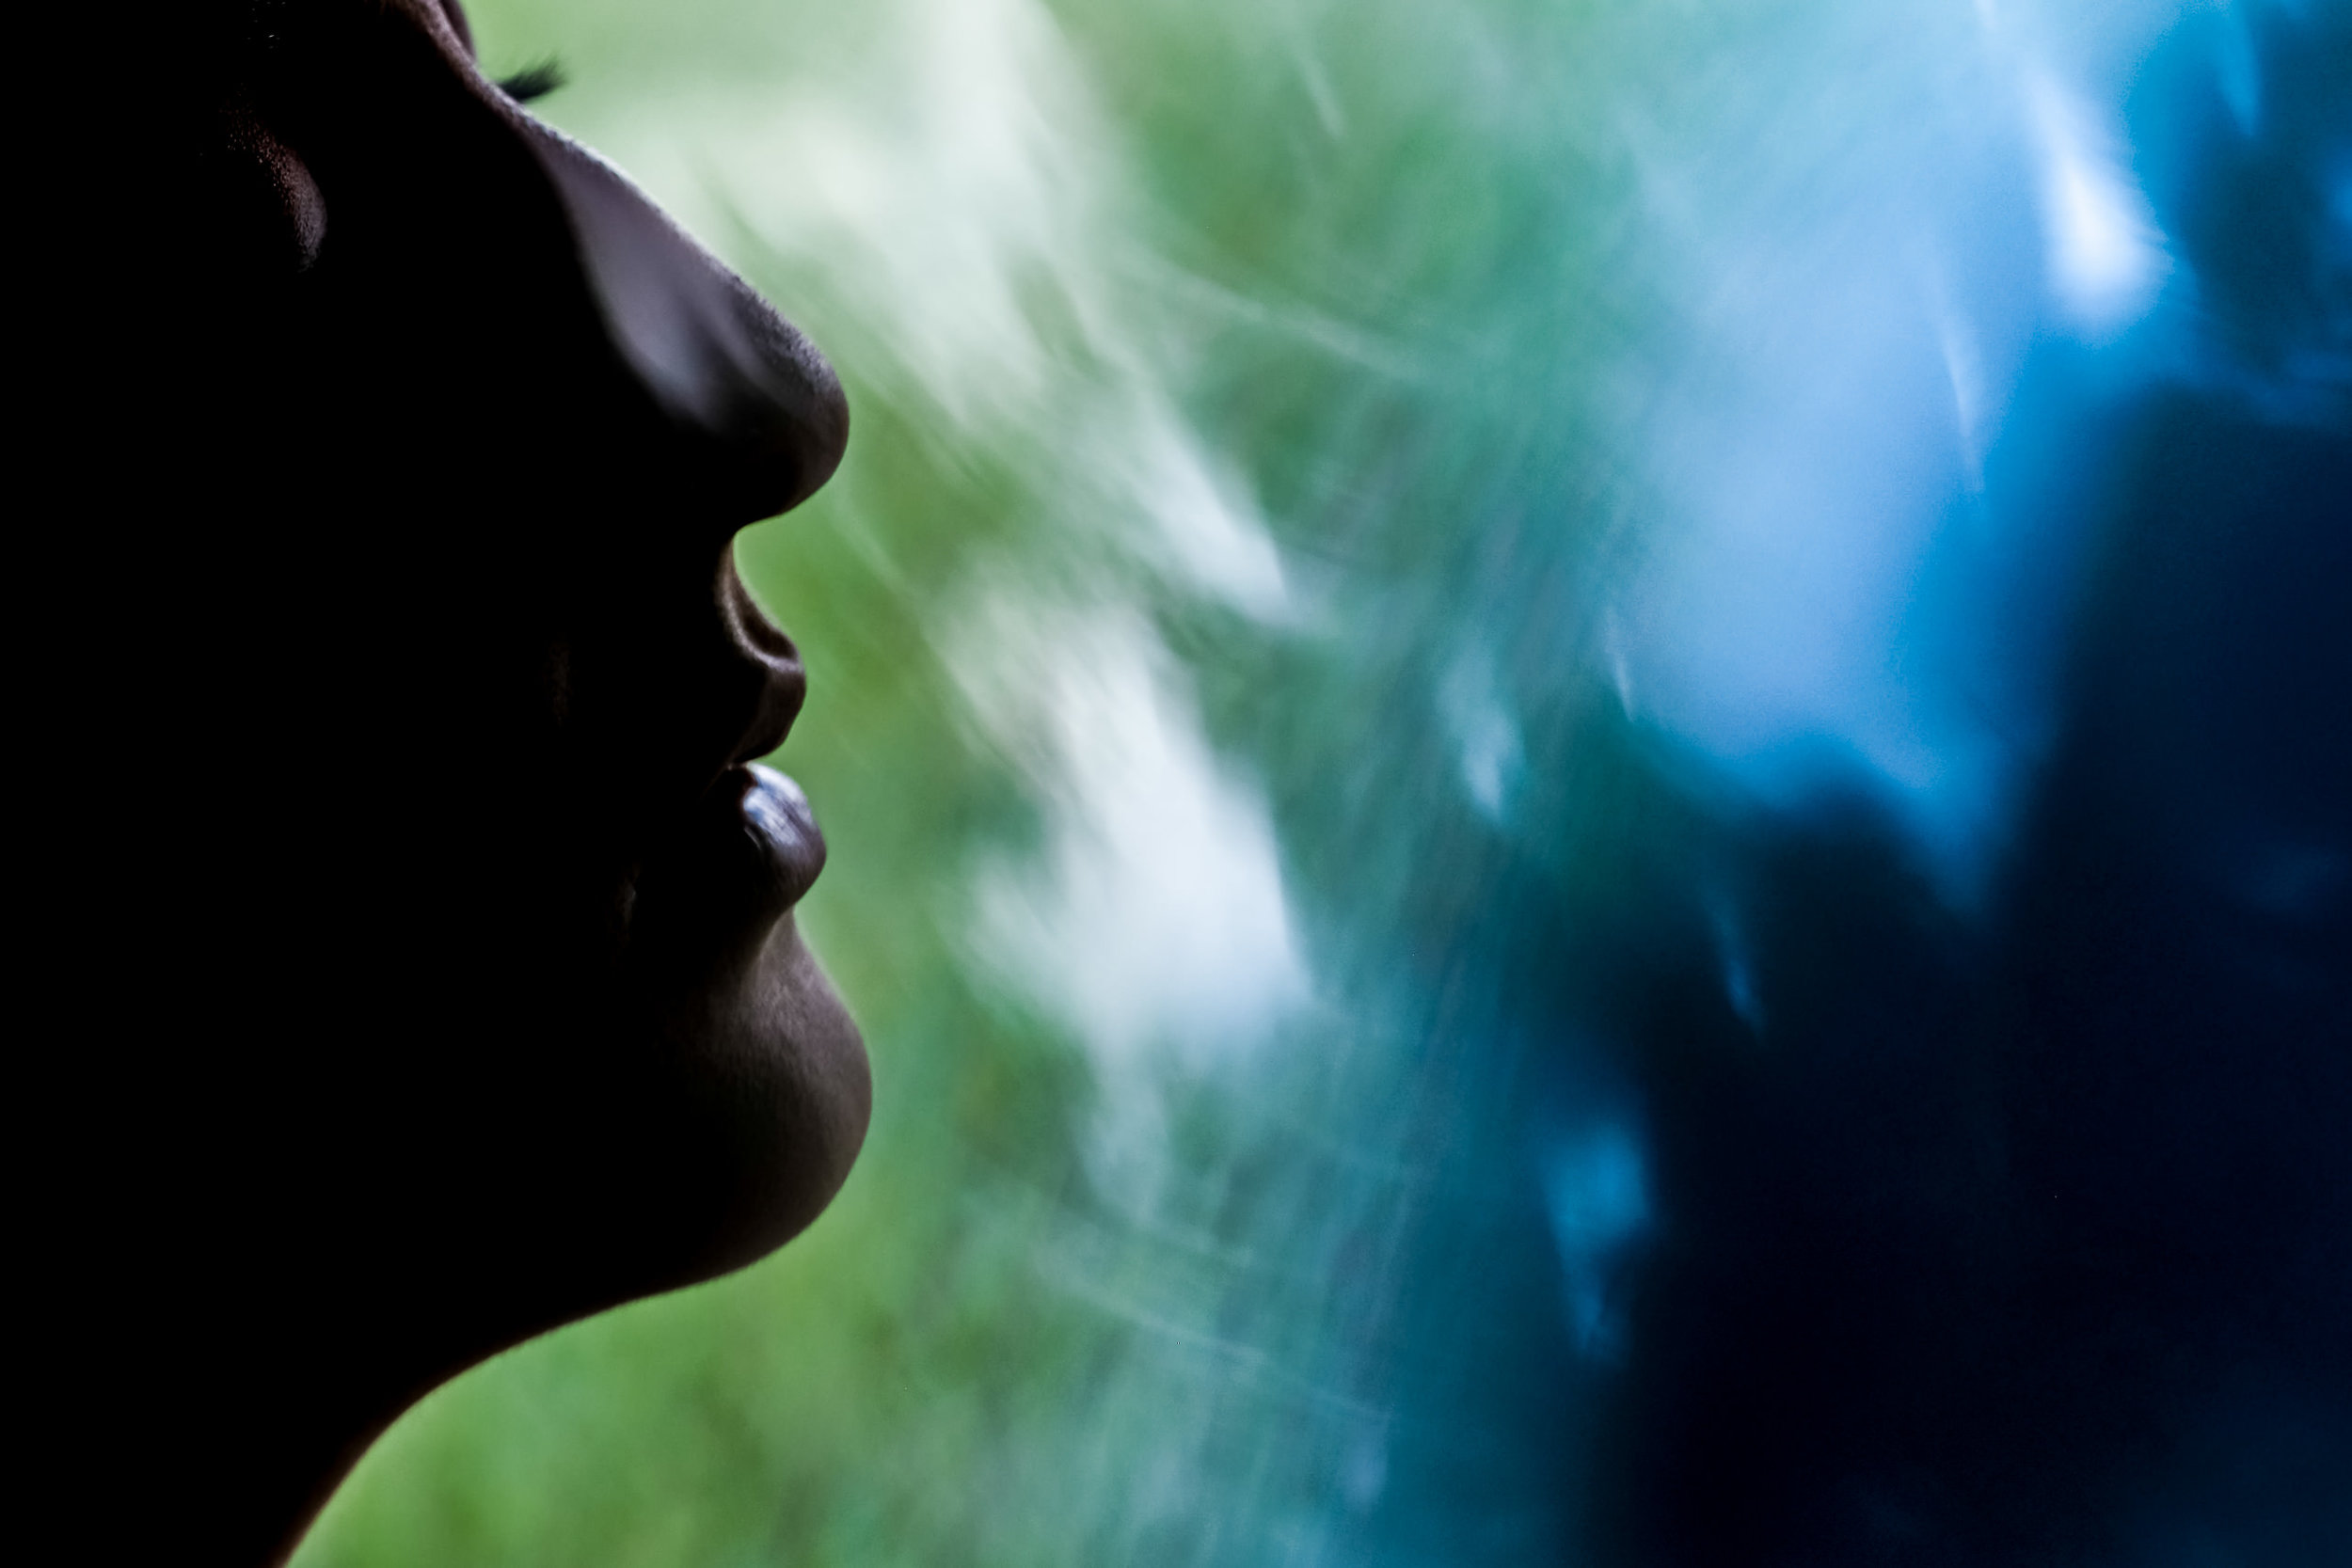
[[299, 202], [271, 214]]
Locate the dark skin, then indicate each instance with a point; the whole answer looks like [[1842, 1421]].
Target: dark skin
[[472, 1002]]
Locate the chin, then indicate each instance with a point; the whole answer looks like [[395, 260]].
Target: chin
[[781, 1080], [737, 1092]]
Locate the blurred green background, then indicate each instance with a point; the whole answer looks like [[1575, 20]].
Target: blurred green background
[[1355, 508], [1179, 339]]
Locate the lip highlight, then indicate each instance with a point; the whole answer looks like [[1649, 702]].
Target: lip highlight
[[776, 814]]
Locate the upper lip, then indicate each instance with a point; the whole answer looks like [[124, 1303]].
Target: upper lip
[[783, 683]]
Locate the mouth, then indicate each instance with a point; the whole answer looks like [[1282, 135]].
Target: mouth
[[729, 869]]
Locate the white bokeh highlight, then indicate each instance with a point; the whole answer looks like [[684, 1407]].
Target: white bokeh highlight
[[1153, 917]]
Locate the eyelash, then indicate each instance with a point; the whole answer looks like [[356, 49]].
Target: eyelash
[[533, 82]]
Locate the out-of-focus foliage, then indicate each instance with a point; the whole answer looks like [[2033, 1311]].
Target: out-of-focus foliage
[[1426, 600], [1113, 289]]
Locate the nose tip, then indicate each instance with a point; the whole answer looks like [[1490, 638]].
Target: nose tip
[[722, 363], [757, 383]]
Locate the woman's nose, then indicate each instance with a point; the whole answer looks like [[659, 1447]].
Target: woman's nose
[[741, 382]]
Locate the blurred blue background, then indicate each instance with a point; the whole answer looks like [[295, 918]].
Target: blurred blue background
[[1590, 768]]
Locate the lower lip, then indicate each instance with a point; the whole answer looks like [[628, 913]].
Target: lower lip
[[776, 814]]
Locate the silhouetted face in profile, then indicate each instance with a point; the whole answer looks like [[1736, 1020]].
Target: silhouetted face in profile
[[449, 943]]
